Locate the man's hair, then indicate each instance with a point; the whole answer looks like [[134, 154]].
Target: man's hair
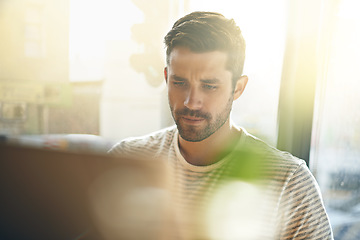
[[209, 31]]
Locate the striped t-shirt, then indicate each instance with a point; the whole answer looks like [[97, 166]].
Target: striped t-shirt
[[253, 192]]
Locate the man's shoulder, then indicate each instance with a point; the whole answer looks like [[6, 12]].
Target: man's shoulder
[[271, 155], [290, 185], [148, 143]]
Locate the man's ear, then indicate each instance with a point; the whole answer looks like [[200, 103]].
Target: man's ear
[[240, 86], [166, 74]]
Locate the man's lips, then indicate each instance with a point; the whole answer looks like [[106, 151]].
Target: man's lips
[[192, 120]]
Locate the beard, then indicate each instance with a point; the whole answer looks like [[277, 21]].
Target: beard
[[196, 133]]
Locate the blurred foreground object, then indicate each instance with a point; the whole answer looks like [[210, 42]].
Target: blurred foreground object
[[60, 195], [64, 142]]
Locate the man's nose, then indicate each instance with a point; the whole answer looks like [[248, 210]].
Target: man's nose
[[193, 99]]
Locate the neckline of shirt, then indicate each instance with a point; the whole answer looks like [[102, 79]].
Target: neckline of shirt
[[206, 168]]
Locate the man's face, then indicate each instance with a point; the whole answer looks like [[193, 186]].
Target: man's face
[[200, 92]]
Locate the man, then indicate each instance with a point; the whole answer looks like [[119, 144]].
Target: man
[[269, 194]]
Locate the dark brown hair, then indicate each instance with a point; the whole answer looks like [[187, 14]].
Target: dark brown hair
[[209, 31]]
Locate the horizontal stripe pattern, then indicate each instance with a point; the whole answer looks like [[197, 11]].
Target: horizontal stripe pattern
[[290, 202]]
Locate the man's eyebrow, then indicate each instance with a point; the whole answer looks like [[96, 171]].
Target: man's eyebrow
[[210, 81], [207, 81], [177, 78]]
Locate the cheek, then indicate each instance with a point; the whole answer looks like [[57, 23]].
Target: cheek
[[173, 99], [218, 103], [175, 95]]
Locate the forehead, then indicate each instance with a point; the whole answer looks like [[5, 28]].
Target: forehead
[[185, 59]]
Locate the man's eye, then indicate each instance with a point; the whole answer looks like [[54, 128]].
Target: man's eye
[[179, 84], [209, 87]]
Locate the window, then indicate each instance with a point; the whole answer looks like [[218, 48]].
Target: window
[[335, 152], [34, 36]]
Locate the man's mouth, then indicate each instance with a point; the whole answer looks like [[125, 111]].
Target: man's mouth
[[192, 120]]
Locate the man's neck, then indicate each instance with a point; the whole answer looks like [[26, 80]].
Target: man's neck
[[206, 151]]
